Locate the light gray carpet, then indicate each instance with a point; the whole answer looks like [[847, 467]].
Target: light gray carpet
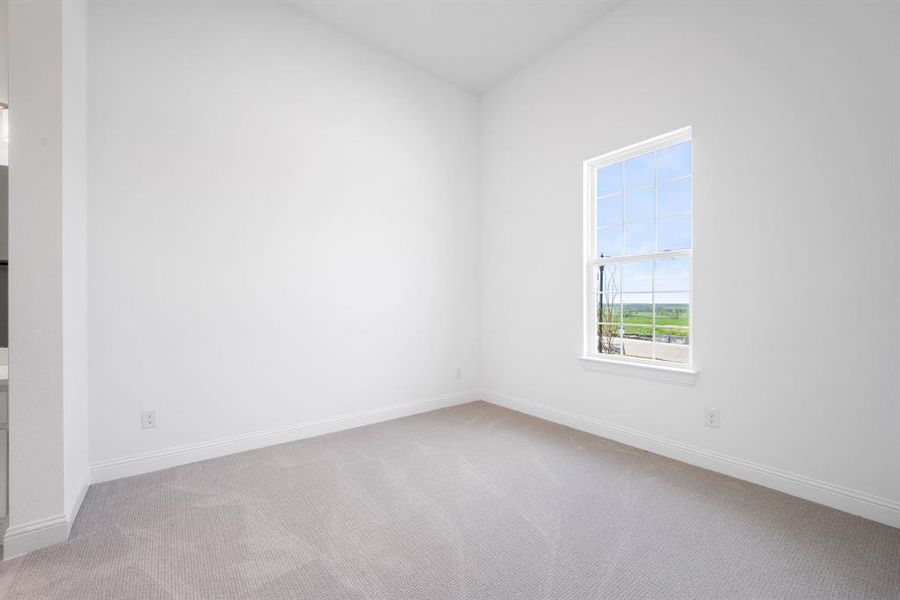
[[469, 502]]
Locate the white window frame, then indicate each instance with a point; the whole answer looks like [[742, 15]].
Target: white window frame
[[643, 368]]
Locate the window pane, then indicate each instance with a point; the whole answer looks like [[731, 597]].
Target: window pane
[[609, 241], [638, 341], [639, 205], [672, 345], [674, 161], [643, 207], [675, 197], [609, 340], [609, 308], [608, 278], [638, 332], [674, 233], [672, 275], [672, 308], [673, 335], [609, 180], [639, 171], [609, 211], [637, 309], [637, 276], [639, 238]]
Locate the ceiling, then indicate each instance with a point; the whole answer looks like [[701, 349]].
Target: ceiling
[[473, 43]]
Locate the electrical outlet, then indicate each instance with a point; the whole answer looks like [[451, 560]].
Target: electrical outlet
[[712, 419], [148, 419], [459, 372]]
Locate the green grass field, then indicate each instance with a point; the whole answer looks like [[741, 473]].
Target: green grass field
[[638, 320]]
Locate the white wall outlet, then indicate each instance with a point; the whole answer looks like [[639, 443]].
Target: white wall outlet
[[712, 419], [148, 419], [459, 372]]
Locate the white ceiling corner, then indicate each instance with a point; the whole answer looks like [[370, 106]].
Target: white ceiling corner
[[473, 43]]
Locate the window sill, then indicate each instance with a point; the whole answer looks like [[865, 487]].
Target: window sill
[[647, 372]]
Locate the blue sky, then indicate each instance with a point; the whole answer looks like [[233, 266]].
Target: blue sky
[[626, 193], [625, 203]]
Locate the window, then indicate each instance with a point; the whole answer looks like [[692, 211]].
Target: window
[[638, 243]]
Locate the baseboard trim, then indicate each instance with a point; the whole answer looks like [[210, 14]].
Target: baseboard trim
[[171, 457], [75, 505], [865, 505], [22, 539]]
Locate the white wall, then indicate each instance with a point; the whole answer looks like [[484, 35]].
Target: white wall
[[4, 71], [36, 488], [47, 405], [795, 110], [282, 226], [74, 256]]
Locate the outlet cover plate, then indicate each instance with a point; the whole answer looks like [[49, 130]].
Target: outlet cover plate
[[148, 419]]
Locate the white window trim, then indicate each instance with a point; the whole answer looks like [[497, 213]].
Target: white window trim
[[635, 369], [646, 369]]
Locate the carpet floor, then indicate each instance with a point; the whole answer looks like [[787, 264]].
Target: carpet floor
[[473, 502]]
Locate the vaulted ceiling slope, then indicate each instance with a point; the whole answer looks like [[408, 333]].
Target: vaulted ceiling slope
[[473, 43]]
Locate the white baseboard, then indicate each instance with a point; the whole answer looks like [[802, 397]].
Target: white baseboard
[[76, 502], [865, 505], [25, 538], [170, 457], [22, 539]]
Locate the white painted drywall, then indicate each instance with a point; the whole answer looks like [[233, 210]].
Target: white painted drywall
[[474, 43], [36, 487], [74, 255], [47, 435], [4, 51], [4, 71], [282, 225], [795, 110]]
